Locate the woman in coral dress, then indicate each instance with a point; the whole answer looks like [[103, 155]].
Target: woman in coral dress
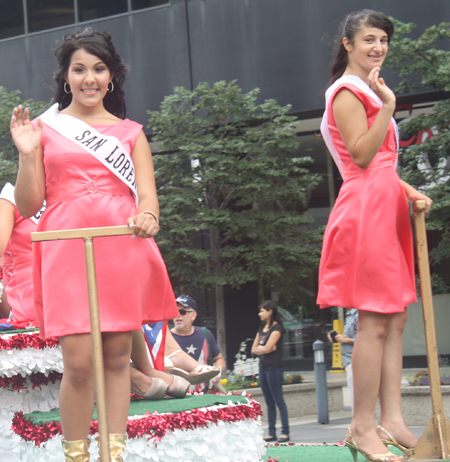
[[367, 259], [94, 169], [15, 250]]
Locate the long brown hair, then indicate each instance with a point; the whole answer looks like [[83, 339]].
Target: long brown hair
[[351, 25], [98, 44], [275, 316]]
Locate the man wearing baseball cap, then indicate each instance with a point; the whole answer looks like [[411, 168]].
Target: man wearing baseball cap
[[196, 341]]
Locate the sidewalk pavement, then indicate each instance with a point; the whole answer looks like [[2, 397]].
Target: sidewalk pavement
[[307, 430]]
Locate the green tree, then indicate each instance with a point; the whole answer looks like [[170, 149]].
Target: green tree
[[425, 62], [8, 152], [233, 193]]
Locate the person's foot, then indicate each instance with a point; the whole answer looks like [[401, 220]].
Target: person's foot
[[370, 443], [168, 378], [142, 382], [400, 433], [155, 391], [283, 439], [269, 439]]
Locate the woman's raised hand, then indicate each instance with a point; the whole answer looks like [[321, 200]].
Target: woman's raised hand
[[25, 137], [378, 85]]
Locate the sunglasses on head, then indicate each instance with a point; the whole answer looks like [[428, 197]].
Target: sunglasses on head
[[183, 311]]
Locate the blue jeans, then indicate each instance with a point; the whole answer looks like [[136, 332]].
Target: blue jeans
[[271, 381]]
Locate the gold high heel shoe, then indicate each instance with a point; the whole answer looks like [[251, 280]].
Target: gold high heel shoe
[[76, 451], [117, 443], [393, 442], [351, 444]]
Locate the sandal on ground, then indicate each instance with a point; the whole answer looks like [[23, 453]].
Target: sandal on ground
[[269, 439], [391, 441], [179, 387], [351, 444], [157, 390], [198, 375], [283, 439]]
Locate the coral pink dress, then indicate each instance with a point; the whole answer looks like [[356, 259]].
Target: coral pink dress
[[367, 258], [17, 267], [133, 284]]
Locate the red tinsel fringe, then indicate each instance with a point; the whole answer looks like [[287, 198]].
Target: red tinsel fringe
[[21, 341], [154, 425], [17, 382]]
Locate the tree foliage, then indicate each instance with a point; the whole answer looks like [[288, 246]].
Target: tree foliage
[[425, 63], [233, 193], [8, 153]]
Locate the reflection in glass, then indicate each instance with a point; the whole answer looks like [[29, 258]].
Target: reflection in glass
[[93, 9], [11, 19], [141, 4], [47, 14]]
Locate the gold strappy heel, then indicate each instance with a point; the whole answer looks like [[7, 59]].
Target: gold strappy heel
[[391, 441], [351, 444]]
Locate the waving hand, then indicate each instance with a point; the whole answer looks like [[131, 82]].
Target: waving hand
[[25, 137]]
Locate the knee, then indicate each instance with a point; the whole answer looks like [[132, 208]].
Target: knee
[[116, 361], [374, 331], [79, 371]]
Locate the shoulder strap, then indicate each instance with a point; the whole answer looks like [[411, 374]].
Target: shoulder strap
[[208, 339]]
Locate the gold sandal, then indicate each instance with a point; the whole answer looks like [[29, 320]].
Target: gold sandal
[[391, 441], [351, 444]]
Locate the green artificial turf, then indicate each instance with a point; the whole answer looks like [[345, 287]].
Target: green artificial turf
[[314, 454], [141, 407]]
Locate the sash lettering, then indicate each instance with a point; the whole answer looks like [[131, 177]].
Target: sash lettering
[[106, 149], [8, 194]]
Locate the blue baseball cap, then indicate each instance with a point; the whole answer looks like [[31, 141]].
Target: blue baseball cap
[[187, 301]]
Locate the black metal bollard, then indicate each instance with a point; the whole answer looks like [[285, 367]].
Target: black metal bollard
[[321, 382]]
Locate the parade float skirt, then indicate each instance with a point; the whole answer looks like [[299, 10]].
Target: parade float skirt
[[200, 427]]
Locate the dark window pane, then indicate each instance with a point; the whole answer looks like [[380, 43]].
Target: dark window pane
[[11, 19], [141, 4], [93, 9], [47, 14]]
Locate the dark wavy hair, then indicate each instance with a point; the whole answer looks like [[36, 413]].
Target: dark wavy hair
[[351, 25], [98, 44], [275, 316]]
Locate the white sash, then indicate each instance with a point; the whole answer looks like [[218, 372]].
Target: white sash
[[106, 149], [8, 194], [359, 83]]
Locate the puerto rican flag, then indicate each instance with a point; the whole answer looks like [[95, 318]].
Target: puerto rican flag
[[155, 338]]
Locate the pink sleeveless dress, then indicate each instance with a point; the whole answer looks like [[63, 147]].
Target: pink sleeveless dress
[[133, 284], [18, 270], [367, 258]]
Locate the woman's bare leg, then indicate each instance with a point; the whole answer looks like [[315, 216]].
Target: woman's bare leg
[[367, 363], [76, 395], [116, 356], [390, 389]]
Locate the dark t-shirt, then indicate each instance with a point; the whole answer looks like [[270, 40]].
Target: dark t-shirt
[[271, 360], [196, 345]]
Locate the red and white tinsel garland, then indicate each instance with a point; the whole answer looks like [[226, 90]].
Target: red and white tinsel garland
[[225, 433], [26, 354]]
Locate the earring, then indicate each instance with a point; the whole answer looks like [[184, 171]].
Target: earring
[[112, 87], [65, 89]]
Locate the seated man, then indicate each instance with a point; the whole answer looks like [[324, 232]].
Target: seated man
[[198, 342]]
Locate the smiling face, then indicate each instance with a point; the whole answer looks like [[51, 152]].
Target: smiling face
[[368, 50], [88, 78]]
